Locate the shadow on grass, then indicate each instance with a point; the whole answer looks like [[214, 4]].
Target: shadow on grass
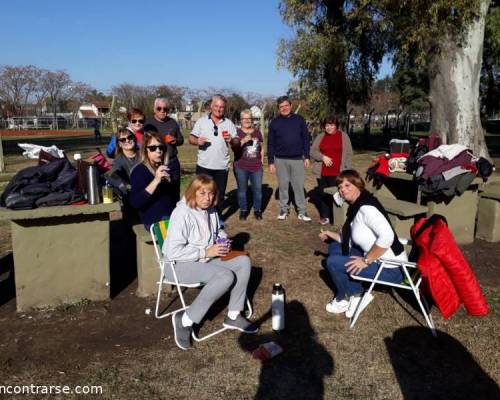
[[440, 368], [7, 281], [220, 305], [299, 372]]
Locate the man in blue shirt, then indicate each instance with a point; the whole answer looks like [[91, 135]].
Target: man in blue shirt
[[288, 154]]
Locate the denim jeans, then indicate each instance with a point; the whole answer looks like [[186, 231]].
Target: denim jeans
[[242, 177], [346, 286], [220, 178]]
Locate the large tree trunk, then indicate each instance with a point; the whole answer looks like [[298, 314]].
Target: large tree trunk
[[335, 70], [454, 76]]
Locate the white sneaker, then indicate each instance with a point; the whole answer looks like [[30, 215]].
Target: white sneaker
[[354, 302], [337, 307], [282, 215], [304, 217]]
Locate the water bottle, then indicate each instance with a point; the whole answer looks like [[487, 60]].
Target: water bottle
[[93, 192], [278, 307], [107, 193]]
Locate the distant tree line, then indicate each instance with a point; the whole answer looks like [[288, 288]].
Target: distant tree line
[[27, 90]]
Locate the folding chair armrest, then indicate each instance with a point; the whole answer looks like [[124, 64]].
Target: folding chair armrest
[[391, 263], [405, 241]]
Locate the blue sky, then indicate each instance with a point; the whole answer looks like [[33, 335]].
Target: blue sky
[[194, 43]]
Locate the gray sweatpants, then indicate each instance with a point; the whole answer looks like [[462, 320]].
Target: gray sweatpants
[[218, 276], [290, 171]]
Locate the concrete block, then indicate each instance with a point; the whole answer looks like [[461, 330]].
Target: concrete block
[[148, 270], [460, 212], [61, 260], [488, 220]]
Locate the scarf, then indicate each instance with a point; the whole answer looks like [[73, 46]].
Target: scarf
[[366, 199]]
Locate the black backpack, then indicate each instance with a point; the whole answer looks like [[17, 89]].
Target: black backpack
[[484, 168], [412, 162]]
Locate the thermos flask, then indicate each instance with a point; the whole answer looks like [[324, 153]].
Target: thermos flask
[[278, 307], [93, 192]]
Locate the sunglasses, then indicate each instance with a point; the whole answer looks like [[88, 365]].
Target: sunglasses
[[216, 130], [137, 121], [162, 109], [129, 138], [155, 147]]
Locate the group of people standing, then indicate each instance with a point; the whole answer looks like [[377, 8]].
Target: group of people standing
[[155, 184], [146, 157]]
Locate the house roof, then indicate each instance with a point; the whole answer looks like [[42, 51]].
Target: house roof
[[102, 104], [87, 113]]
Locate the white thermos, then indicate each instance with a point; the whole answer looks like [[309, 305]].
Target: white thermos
[[278, 307]]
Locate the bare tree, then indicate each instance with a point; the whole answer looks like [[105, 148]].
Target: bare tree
[[18, 85], [57, 85]]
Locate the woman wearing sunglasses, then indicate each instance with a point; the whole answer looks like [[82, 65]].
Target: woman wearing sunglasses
[[153, 193], [136, 120], [127, 155]]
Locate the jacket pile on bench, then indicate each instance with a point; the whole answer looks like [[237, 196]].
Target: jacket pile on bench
[[447, 170], [49, 184]]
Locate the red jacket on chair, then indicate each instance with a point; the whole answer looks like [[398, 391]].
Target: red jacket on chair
[[445, 270]]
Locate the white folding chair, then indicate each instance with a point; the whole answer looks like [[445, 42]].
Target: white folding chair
[[158, 232], [411, 282]]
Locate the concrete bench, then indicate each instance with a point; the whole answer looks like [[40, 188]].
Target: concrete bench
[[402, 214], [148, 270], [488, 216], [61, 253]]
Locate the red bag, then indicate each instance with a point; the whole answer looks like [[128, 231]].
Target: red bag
[[99, 160]]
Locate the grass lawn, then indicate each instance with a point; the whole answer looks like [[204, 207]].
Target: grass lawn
[[388, 355]]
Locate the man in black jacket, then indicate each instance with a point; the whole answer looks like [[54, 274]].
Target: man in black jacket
[[288, 154]]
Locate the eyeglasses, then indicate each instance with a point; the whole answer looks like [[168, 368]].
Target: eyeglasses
[[155, 147], [129, 138], [162, 109], [137, 121], [246, 119], [216, 130]]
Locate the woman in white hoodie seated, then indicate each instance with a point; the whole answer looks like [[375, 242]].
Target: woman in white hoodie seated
[[191, 242]]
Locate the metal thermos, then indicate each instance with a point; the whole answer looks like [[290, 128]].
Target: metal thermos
[[93, 190], [278, 308]]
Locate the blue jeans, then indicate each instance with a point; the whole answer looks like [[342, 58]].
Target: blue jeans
[[242, 177], [346, 287]]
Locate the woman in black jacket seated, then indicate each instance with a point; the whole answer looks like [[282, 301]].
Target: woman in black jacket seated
[[367, 236], [152, 192]]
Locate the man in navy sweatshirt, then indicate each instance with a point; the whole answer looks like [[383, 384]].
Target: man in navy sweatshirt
[[288, 154]]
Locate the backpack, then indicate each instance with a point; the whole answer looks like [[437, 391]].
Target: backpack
[[418, 151], [484, 168]]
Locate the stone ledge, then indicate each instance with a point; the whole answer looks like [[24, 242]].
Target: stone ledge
[[58, 211], [141, 234], [401, 208], [492, 192]]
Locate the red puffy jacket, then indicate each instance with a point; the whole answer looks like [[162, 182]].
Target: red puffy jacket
[[445, 270]]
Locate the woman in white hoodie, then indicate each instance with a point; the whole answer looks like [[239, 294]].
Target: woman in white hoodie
[[192, 243]]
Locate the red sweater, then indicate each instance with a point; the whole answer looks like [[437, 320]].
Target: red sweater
[[331, 146]]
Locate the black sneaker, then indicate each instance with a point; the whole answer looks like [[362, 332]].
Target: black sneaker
[[182, 334], [240, 323], [243, 215], [258, 214]]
